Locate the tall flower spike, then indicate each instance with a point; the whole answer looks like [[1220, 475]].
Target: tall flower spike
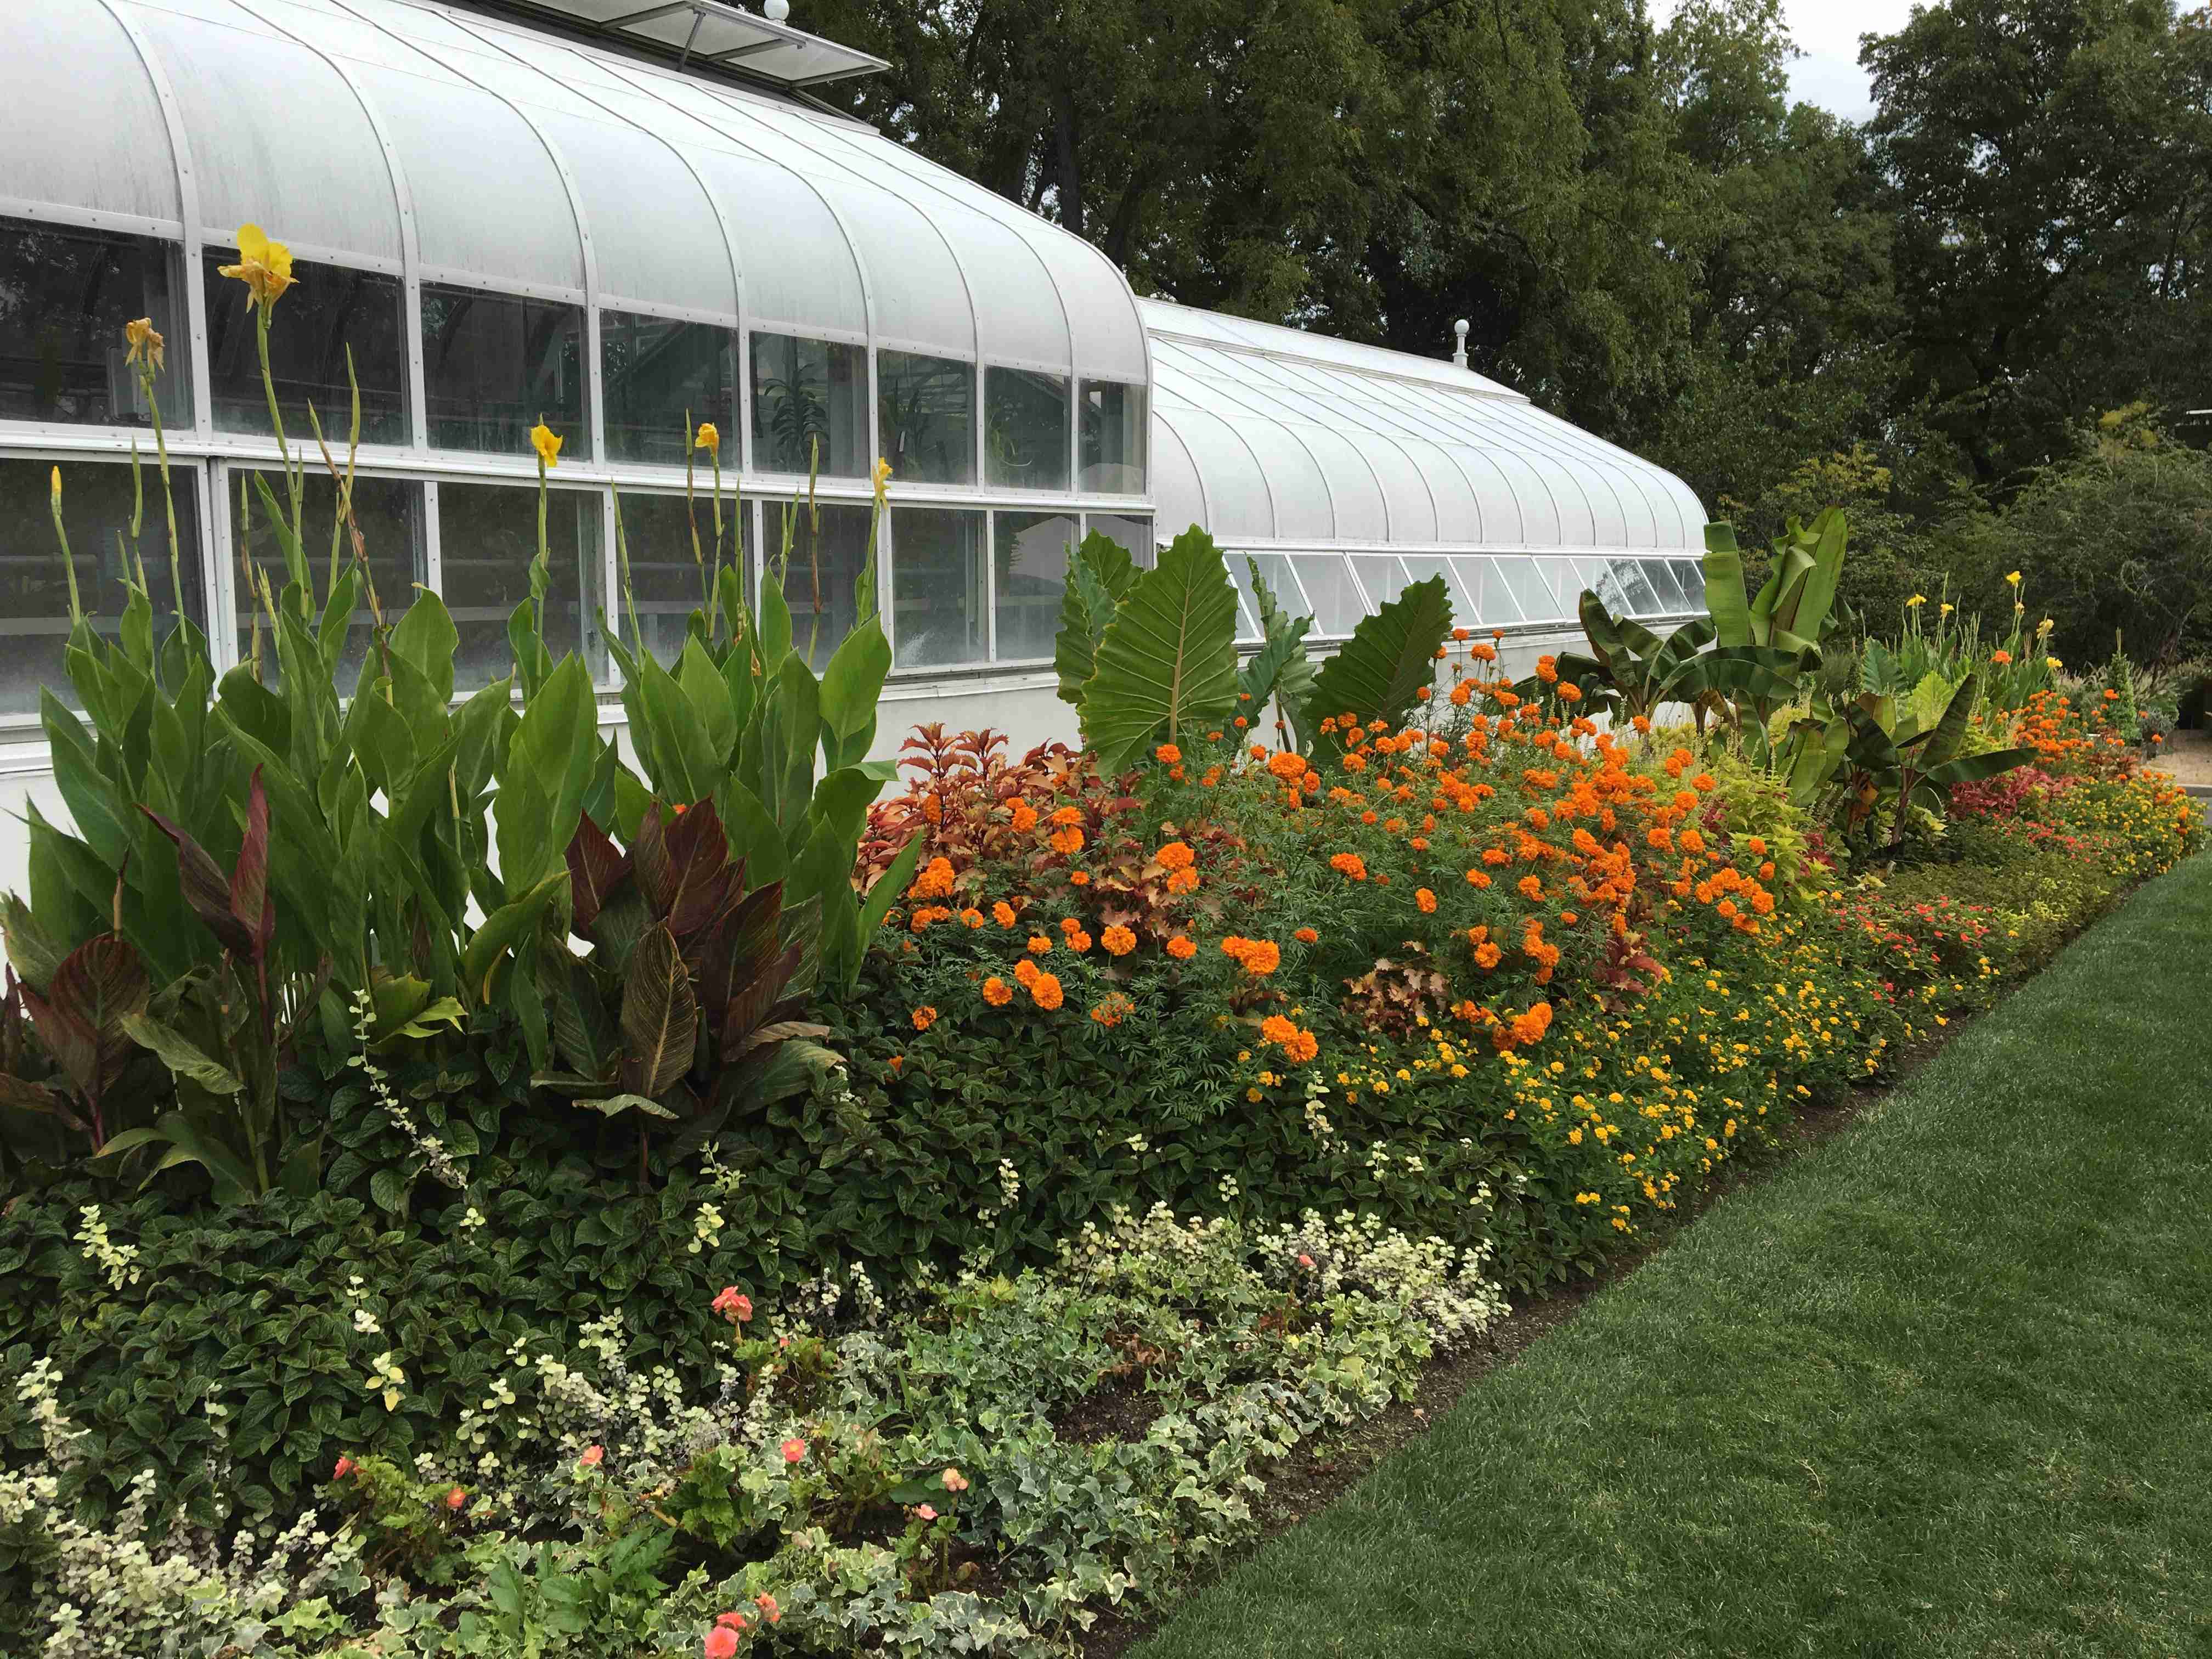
[[264, 265]]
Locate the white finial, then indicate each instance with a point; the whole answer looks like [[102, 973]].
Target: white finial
[[1459, 335], [776, 10]]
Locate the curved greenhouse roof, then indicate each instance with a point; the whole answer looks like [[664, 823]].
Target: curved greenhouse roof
[[498, 224], [464, 149]]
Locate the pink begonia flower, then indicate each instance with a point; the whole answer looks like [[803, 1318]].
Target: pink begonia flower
[[770, 1611], [793, 1450], [721, 1643], [346, 1467], [954, 1481], [732, 1306], [729, 1622], [1304, 1260], [924, 1512], [455, 1498], [592, 1456]]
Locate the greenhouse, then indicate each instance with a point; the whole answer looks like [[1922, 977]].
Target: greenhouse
[[624, 218]]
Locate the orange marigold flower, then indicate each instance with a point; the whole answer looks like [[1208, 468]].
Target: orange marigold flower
[[1079, 877], [1066, 815], [1529, 887], [1114, 1010], [1766, 870], [1287, 766], [997, 992], [934, 882], [1276, 1028], [924, 1018], [971, 917], [1569, 692], [1181, 948], [1691, 841], [1025, 818], [1306, 936], [1025, 972], [1758, 845], [1426, 900], [1478, 879], [1182, 881], [1078, 942], [1167, 755], [1176, 855], [1118, 940], [1039, 943], [1067, 842], [1003, 913], [1044, 990], [1349, 864], [1487, 955]]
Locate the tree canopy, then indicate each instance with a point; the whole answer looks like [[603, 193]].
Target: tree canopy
[[1647, 236]]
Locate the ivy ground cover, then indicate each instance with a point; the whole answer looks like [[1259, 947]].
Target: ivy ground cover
[[1937, 1389]]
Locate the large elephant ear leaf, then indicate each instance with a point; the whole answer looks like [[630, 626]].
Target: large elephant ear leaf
[[1100, 573], [1167, 663], [1380, 672]]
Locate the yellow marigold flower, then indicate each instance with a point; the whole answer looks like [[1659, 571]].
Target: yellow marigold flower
[[145, 342], [547, 446], [264, 265], [708, 436]]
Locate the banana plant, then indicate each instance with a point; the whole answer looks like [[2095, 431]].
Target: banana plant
[[1631, 672], [1790, 613]]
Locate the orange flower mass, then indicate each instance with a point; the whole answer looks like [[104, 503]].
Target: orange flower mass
[[1045, 991]]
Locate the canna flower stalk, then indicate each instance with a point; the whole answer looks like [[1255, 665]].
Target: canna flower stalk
[[547, 443], [264, 265]]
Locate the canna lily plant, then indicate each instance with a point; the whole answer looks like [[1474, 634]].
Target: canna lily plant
[[254, 858]]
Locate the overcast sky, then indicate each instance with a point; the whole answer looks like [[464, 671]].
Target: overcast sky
[[1827, 32]]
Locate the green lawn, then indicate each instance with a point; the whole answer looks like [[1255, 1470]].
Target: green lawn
[[1941, 1387]]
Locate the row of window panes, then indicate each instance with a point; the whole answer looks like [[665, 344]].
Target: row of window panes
[[1486, 590], [495, 364], [957, 577]]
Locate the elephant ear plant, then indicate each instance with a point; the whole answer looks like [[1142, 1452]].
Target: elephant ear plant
[[263, 879]]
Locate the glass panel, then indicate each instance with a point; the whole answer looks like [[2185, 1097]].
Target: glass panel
[[1025, 442], [1525, 581], [1336, 607], [829, 548], [493, 366], [35, 605], [1642, 601], [1381, 575], [1662, 583], [1282, 582], [1422, 566], [327, 311], [1598, 577], [486, 536], [389, 513], [940, 607], [1032, 561], [926, 414], [1691, 576], [1114, 432], [1135, 535], [64, 297], [1248, 604], [1569, 577], [655, 374], [1491, 600], [667, 580], [810, 406]]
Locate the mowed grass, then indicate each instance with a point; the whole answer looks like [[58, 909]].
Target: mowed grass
[[1941, 1387]]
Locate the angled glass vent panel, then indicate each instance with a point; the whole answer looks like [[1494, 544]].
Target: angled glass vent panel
[[1691, 576], [1655, 572], [1381, 575], [1422, 566], [1330, 589], [1491, 601], [1282, 581], [1530, 591]]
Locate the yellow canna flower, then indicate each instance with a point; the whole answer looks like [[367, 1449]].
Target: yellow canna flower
[[1917, 600], [55, 494], [2045, 626], [2053, 663], [145, 342], [882, 478], [542, 440], [1948, 609], [708, 436], [264, 265], [2013, 577]]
